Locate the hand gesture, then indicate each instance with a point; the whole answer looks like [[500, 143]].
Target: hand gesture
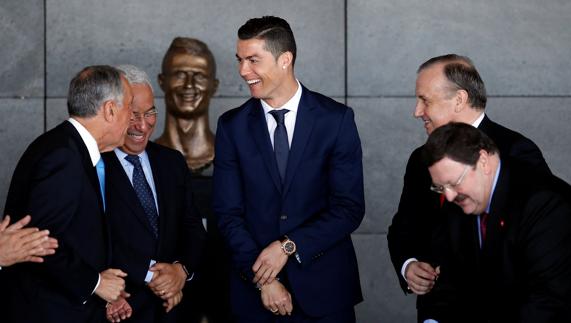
[[269, 263]]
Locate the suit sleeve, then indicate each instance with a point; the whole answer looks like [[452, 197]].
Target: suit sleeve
[[54, 207], [546, 241], [228, 203], [346, 196], [408, 235]]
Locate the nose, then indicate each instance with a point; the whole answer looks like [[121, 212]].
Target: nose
[[418, 109], [450, 194], [243, 68], [189, 82]]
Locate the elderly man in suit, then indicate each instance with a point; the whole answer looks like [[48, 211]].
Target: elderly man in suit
[[60, 180], [157, 235], [448, 88], [288, 189], [515, 264]]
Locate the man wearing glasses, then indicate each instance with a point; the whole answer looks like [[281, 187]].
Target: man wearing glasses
[[157, 235], [518, 267], [448, 89]]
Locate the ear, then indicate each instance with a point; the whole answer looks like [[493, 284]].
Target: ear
[[461, 100], [285, 60], [484, 161], [108, 110], [161, 80]]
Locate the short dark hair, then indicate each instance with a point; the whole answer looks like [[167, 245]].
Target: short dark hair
[[275, 31], [462, 75], [458, 141], [190, 46], [91, 87]]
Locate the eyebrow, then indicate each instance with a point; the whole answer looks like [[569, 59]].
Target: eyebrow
[[247, 57]]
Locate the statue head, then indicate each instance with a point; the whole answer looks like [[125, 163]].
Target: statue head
[[188, 78]]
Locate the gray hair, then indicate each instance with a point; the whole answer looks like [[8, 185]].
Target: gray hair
[[91, 87], [134, 75]]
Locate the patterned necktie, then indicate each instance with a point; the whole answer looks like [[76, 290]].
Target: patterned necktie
[[144, 193], [281, 145], [100, 168]]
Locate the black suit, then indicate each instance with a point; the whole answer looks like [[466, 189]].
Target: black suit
[[181, 233], [414, 229], [522, 273], [56, 182]]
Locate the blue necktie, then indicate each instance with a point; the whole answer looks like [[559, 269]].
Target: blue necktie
[[100, 168], [144, 193], [281, 145]]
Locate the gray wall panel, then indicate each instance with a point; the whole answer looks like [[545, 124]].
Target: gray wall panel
[[385, 302], [22, 50], [389, 133], [543, 120], [520, 47], [22, 121], [139, 32]]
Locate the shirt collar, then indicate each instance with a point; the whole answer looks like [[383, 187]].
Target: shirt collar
[[121, 154], [477, 122], [292, 105], [88, 140]]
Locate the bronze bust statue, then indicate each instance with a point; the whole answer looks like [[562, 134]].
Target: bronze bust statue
[[188, 79]]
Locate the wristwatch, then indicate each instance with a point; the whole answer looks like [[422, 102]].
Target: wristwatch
[[288, 246]]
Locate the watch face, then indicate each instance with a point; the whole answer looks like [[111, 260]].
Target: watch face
[[289, 247]]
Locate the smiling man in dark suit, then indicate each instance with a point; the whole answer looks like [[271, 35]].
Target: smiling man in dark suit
[[157, 235], [448, 88], [59, 181], [288, 189], [518, 264]]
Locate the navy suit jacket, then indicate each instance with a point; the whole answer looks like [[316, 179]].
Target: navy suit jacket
[[57, 184], [319, 205], [522, 273], [181, 234]]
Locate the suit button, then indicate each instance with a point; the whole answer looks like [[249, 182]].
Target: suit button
[[283, 217]]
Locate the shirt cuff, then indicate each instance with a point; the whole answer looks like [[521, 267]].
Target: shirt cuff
[[97, 285], [402, 270], [150, 274]]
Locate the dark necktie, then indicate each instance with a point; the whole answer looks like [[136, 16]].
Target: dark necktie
[[144, 193], [100, 168], [483, 221], [281, 145]]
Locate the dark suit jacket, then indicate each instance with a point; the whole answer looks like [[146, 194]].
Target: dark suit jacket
[[181, 233], [319, 205], [414, 226], [522, 273], [57, 184]]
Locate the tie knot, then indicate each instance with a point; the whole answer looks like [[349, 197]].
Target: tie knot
[[100, 164], [279, 115], [133, 159]]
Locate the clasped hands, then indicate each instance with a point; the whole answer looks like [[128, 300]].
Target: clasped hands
[[267, 266], [19, 244], [167, 283], [421, 277]]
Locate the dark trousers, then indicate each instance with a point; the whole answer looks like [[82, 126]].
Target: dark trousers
[[297, 316]]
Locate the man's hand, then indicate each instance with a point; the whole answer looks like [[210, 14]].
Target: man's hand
[[173, 301], [111, 285], [118, 310], [19, 244], [276, 298], [269, 263], [168, 280], [421, 277]]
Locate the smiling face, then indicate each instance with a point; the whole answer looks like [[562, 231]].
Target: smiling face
[[266, 76], [141, 126], [473, 193], [188, 83], [119, 129], [435, 100]]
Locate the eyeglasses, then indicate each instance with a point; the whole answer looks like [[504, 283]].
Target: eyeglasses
[[440, 189], [148, 116]]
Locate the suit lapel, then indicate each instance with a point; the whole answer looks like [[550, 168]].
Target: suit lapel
[[160, 186], [303, 127], [124, 189], [259, 130]]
